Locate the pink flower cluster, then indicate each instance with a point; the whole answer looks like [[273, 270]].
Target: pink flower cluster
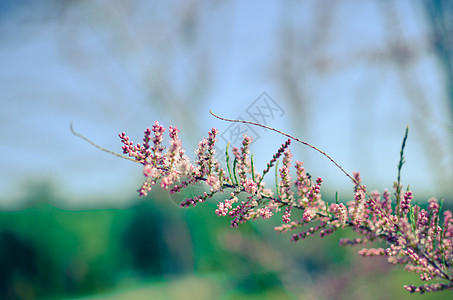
[[167, 167], [416, 238]]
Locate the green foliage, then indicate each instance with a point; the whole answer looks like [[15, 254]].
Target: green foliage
[[147, 250]]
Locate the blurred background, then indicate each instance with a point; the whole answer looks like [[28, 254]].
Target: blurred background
[[347, 76]]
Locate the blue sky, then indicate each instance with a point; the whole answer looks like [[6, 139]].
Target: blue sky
[[118, 66]]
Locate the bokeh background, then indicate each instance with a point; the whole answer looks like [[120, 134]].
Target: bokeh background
[[347, 76]]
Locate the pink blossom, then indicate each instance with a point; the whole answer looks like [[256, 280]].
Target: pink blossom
[[149, 170], [309, 214], [250, 186], [287, 215], [419, 239], [265, 213], [213, 181]]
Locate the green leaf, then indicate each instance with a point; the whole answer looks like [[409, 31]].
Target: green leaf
[[228, 160], [438, 219], [234, 171], [400, 166], [253, 169], [276, 179], [412, 219], [440, 209]]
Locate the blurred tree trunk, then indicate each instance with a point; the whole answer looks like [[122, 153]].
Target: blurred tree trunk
[[440, 17]]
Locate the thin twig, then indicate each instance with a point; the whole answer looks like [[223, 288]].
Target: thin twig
[[97, 146], [293, 138]]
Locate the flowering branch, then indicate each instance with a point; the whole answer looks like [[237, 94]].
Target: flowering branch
[[414, 237]]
